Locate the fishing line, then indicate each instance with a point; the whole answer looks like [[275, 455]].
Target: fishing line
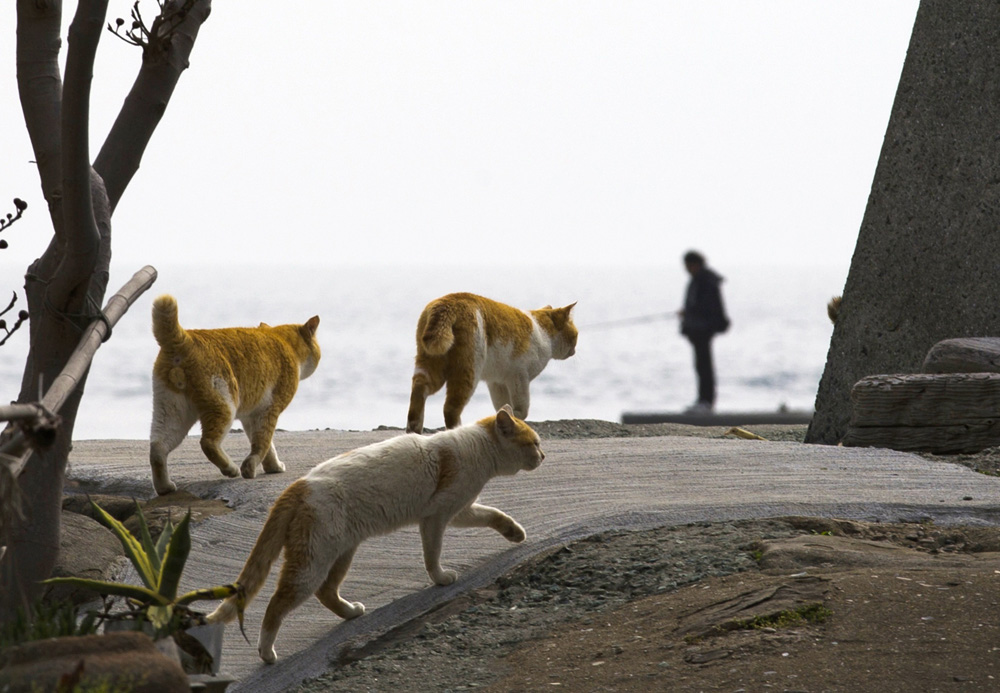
[[629, 321]]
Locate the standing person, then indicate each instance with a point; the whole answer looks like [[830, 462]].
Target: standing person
[[703, 317]]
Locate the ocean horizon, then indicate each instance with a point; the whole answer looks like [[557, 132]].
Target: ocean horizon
[[630, 356]]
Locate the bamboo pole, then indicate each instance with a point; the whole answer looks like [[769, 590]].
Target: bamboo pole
[[17, 450]]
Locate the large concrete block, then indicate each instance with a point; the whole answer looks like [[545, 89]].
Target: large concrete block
[[927, 262]]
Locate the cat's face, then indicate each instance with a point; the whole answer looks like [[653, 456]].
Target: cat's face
[[520, 442], [565, 339]]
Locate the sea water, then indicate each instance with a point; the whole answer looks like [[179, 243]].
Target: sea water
[[630, 356]]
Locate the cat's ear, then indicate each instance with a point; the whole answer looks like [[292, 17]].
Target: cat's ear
[[309, 329], [262, 325], [563, 315], [505, 420]]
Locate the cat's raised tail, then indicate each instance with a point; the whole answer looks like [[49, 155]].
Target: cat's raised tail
[[166, 327], [437, 335], [265, 552]]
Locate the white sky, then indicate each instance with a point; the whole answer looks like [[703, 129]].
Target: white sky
[[565, 132]]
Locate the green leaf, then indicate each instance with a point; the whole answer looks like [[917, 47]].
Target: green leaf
[[163, 540], [160, 616], [147, 540], [220, 592], [137, 592], [133, 549], [175, 558]]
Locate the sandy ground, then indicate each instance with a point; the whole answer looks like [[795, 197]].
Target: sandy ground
[[598, 477]]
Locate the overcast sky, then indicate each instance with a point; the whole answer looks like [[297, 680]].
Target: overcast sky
[[567, 132]]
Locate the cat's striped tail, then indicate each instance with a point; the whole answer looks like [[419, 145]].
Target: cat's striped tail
[[265, 552], [166, 328], [437, 336]]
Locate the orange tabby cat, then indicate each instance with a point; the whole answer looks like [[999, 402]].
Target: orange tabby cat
[[431, 481], [464, 338], [245, 373]]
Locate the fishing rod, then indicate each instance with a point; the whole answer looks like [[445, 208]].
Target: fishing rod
[[630, 321]]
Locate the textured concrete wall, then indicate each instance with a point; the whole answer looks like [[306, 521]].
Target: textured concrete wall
[[927, 263]]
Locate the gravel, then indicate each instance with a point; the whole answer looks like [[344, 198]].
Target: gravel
[[456, 649]]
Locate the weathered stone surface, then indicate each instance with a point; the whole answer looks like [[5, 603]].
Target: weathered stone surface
[[117, 661], [87, 549], [941, 413], [768, 602], [969, 355], [924, 267], [174, 506], [119, 507]]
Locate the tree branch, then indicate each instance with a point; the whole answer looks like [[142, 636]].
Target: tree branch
[[69, 285], [164, 59], [39, 87]]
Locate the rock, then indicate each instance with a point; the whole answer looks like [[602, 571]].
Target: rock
[[174, 506], [119, 507], [831, 553], [87, 549], [939, 413], [767, 602], [969, 355], [117, 661]]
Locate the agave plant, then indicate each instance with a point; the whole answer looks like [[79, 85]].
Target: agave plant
[[159, 565]]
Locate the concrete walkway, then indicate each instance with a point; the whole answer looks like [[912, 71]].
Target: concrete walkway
[[583, 486]]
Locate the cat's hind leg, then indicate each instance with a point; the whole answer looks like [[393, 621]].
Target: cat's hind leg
[[173, 417], [461, 386], [260, 431], [329, 592], [216, 420], [301, 575], [426, 381], [477, 515]]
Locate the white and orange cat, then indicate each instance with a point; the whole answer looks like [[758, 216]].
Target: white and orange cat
[[216, 376], [433, 481], [463, 339]]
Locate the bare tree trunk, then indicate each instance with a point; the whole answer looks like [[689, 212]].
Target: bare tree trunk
[[66, 286], [60, 289]]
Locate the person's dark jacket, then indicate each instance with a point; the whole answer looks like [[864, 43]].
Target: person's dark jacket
[[703, 310]]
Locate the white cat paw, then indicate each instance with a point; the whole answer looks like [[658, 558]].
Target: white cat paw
[[275, 467], [444, 577], [514, 532], [356, 609], [164, 489], [268, 655], [232, 471]]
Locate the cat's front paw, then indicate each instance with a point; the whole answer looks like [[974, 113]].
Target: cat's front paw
[[356, 609], [163, 489], [232, 471], [514, 533], [444, 577]]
